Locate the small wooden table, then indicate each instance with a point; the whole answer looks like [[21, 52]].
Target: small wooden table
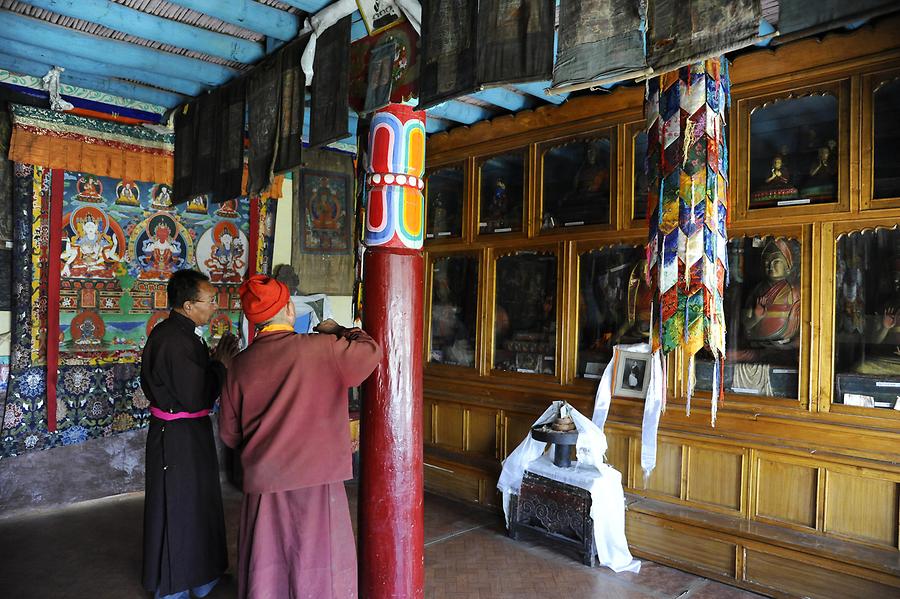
[[554, 510]]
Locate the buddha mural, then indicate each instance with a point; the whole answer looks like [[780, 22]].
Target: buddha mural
[[128, 194], [94, 249], [770, 317], [90, 189], [162, 249]]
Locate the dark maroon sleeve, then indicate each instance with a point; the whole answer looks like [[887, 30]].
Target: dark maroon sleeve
[[356, 355]]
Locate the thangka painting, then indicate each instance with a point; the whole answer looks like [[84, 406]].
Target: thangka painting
[[325, 212], [120, 240]]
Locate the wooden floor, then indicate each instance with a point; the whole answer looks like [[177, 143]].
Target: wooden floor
[[93, 550]]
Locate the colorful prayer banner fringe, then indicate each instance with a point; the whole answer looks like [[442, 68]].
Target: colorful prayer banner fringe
[[395, 215], [687, 164]]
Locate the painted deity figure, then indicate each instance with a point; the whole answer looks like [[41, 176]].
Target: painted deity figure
[[90, 189], [162, 253], [325, 212], [227, 209], [226, 257], [92, 251], [127, 194], [771, 317], [197, 205], [161, 198]]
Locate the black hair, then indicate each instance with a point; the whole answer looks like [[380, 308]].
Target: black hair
[[183, 287]]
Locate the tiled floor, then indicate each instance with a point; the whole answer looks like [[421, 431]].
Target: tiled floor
[[93, 550]]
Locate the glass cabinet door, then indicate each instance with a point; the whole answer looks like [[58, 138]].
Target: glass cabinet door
[[444, 188], [576, 183], [763, 317], [525, 313], [867, 319], [886, 157], [794, 151], [454, 310], [640, 182], [613, 304], [502, 192]]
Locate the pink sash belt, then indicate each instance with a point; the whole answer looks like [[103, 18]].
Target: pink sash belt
[[162, 415]]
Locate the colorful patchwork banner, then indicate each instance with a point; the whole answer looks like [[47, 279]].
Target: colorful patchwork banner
[[687, 162], [395, 214]]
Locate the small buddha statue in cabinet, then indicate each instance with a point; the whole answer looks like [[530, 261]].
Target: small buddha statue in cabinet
[[777, 186], [882, 355]]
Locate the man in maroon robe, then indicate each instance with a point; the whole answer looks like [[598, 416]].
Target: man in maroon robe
[[284, 408]]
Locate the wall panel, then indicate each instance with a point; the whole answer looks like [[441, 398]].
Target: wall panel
[[786, 492], [861, 508]]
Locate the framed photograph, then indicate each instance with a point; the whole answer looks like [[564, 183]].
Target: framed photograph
[[632, 374]]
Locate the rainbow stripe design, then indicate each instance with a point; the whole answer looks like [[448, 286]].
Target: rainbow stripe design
[[687, 167], [395, 215]]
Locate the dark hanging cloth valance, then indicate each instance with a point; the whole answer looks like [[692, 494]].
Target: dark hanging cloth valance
[[331, 86], [204, 168], [263, 106], [599, 42], [447, 59], [798, 18], [514, 40], [186, 124], [229, 157], [293, 91], [683, 32]]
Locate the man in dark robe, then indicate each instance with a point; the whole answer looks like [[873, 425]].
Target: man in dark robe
[[184, 522], [284, 407]]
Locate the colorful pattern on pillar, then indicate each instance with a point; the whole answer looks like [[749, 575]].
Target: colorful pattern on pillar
[[395, 216], [687, 165]]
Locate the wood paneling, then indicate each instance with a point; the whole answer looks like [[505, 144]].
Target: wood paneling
[[481, 432], [658, 539], [786, 492], [452, 483], [715, 477], [448, 426], [428, 421], [617, 452], [861, 508], [666, 477], [516, 427], [800, 578]]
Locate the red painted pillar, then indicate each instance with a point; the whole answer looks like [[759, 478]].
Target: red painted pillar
[[391, 534]]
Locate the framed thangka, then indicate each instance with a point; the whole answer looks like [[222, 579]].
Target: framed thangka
[[501, 193], [121, 241], [444, 188], [325, 205], [796, 145], [576, 182]]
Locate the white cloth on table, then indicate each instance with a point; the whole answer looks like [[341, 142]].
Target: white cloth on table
[[654, 404], [604, 484]]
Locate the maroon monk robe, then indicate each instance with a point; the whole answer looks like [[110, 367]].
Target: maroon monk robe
[[284, 407]]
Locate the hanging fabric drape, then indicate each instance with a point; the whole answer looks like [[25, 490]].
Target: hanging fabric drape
[[796, 19], [230, 149], [687, 162], [514, 40], [263, 103], [293, 103], [447, 61], [683, 32], [331, 93], [599, 42]]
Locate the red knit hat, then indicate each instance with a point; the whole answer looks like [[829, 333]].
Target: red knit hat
[[262, 297]]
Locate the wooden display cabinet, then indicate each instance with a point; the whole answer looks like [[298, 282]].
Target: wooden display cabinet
[[787, 488]]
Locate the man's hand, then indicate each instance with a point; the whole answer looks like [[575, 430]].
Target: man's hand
[[329, 327], [226, 349]]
